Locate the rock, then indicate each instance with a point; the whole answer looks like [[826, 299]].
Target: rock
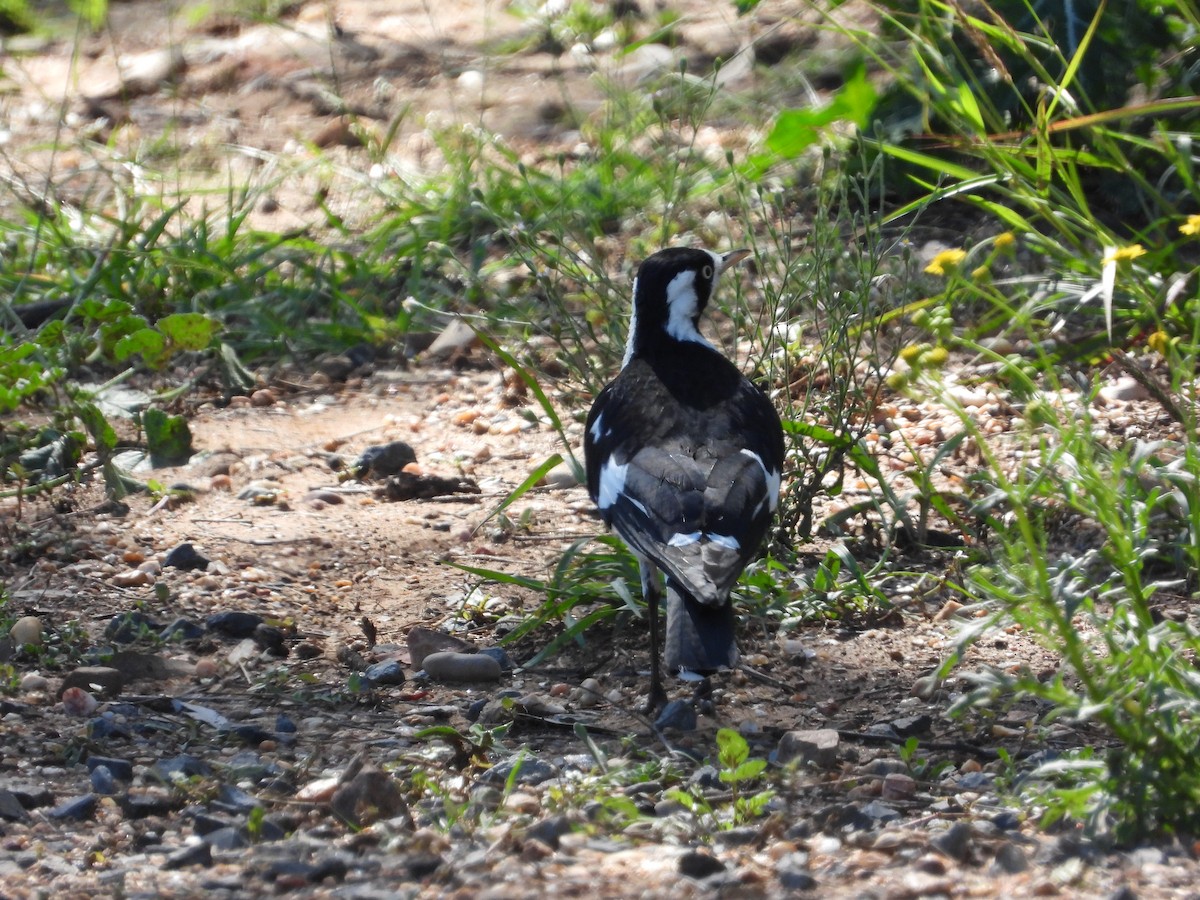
[[76, 809], [11, 809], [384, 460], [678, 715], [1124, 390], [815, 747], [105, 681], [26, 631], [456, 339], [34, 682], [198, 854], [186, 558], [898, 786], [912, 725], [135, 578], [121, 769], [227, 837], [698, 864], [387, 672], [271, 639], [139, 74], [102, 781], [879, 813], [369, 796], [1010, 859], [182, 629], [424, 641], [548, 831], [530, 771], [561, 477], [234, 624], [955, 842], [589, 693], [448, 666], [500, 655]]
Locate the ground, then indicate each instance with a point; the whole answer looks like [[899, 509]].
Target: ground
[[344, 573]]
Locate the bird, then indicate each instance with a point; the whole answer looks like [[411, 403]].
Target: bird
[[684, 457]]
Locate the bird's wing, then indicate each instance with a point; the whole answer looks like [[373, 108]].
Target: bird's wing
[[696, 500]]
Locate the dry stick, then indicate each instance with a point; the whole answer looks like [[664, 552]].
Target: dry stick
[[1156, 390]]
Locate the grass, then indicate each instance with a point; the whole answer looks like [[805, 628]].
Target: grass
[[1080, 253]]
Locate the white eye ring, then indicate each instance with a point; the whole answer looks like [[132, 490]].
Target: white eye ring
[[707, 271]]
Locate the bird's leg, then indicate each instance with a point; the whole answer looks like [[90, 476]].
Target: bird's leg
[[652, 594]]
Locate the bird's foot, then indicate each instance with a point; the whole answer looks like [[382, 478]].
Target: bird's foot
[[656, 701]]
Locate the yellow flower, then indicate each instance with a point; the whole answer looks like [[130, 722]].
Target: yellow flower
[[1159, 341], [946, 262], [1004, 240], [1123, 254], [979, 274], [1191, 226]]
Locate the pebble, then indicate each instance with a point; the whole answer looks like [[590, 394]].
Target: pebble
[[817, 747], [186, 558], [699, 864], [76, 809], [678, 715], [33, 682], [424, 641], [134, 578], [955, 842], [233, 624], [898, 786], [1124, 390], [26, 630], [389, 671], [450, 666]]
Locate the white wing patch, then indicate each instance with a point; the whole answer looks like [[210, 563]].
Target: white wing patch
[[679, 539], [725, 540], [773, 478], [612, 483], [597, 430]]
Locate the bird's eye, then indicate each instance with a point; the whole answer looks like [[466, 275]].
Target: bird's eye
[[707, 272]]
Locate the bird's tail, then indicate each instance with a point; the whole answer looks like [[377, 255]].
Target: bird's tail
[[700, 637]]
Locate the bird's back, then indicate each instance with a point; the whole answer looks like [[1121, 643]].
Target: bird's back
[[683, 454]]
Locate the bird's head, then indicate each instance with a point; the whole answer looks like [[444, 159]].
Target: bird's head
[[670, 292]]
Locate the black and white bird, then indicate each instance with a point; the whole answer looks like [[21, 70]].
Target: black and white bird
[[683, 456]]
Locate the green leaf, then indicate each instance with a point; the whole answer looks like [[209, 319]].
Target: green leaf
[[751, 768], [796, 130], [732, 748], [168, 438], [103, 435], [188, 331], [94, 12], [145, 342]]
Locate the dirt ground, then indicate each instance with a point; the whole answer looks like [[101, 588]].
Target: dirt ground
[[316, 557]]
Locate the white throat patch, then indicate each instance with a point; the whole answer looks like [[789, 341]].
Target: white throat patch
[[681, 309]]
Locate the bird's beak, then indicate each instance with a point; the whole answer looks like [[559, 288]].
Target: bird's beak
[[732, 258]]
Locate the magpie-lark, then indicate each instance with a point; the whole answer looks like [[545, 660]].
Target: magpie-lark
[[683, 459]]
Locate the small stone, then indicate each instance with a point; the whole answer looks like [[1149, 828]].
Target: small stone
[[34, 682], [262, 398], [103, 782], [134, 578], [500, 655], [234, 624], [26, 631], [127, 627], [698, 864], [11, 809], [955, 842], [206, 667], [182, 629], [121, 769], [530, 771], [910, 726], [1010, 859], [879, 813], [384, 460], [561, 477], [548, 831], [77, 809], [1124, 390], [271, 639], [186, 558], [588, 694], [198, 854], [385, 673], [816, 747], [678, 715], [424, 641], [448, 666], [898, 786], [926, 687]]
